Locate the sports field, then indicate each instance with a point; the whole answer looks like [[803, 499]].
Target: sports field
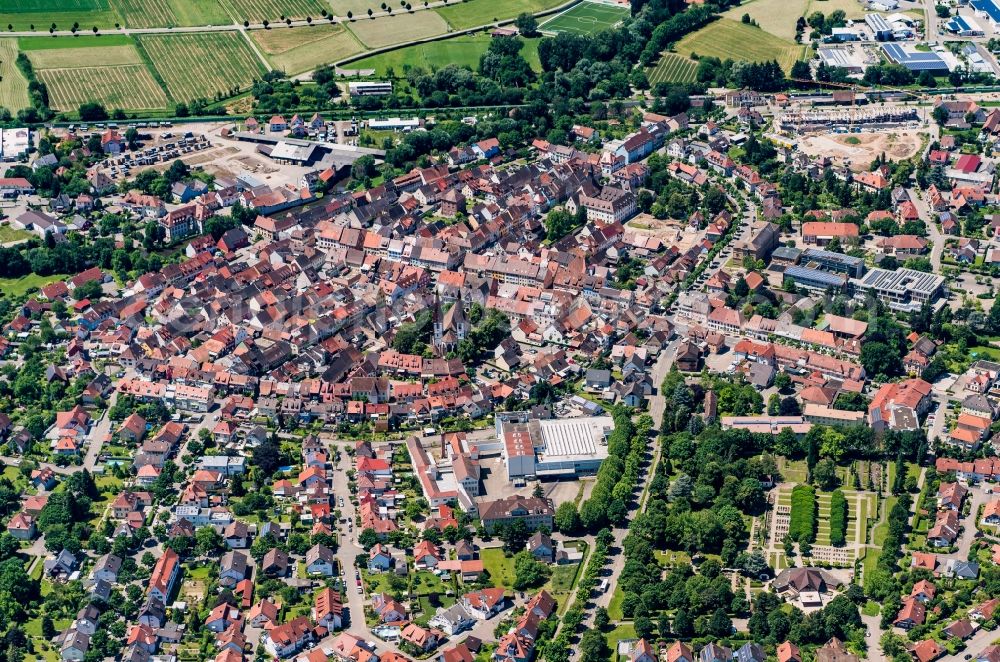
[[463, 51], [469, 14], [585, 18], [388, 30], [672, 68], [129, 87], [13, 84], [200, 65], [22, 14], [730, 39], [301, 49], [775, 16], [256, 11]]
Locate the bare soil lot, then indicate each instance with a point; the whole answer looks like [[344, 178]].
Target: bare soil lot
[[860, 149], [669, 231]]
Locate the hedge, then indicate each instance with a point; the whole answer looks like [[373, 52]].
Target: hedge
[[802, 527]]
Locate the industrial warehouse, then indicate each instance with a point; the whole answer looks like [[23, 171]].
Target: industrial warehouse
[[555, 448]]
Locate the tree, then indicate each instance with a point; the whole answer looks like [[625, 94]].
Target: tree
[[601, 618], [878, 358], [529, 572], [593, 647], [752, 564], [683, 625], [720, 625], [208, 541], [644, 627], [526, 24], [825, 474], [92, 112], [368, 538], [940, 115], [801, 70], [567, 519], [364, 168], [267, 456]]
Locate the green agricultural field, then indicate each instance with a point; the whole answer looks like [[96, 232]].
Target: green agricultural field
[[585, 18], [13, 84], [388, 30], [166, 13], [48, 42], [69, 58], [775, 16], [129, 87], [469, 14], [145, 13], [361, 7], [256, 11], [23, 14], [730, 39], [201, 65], [851, 8], [673, 68], [464, 50], [301, 49], [15, 287]]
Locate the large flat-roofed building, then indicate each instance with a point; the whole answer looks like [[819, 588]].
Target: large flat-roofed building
[[14, 143], [902, 290], [988, 9], [814, 413], [815, 279], [555, 448], [370, 88], [835, 262], [766, 424], [914, 60], [880, 27]]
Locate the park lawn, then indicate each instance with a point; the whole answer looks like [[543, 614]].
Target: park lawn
[[464, 51], [777, 17], [480, 12], [622, 631], [19, 286], [728, 39], [199, 573], [615, 604], [302, 49], [388, 30], [500, 567], [13, 84]]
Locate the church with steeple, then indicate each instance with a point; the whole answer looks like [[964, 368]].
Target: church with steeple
[[449, 328]]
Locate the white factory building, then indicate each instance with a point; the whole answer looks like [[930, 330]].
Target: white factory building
[[554, 448]]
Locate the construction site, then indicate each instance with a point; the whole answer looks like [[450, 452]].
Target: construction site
[[845, 119]]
